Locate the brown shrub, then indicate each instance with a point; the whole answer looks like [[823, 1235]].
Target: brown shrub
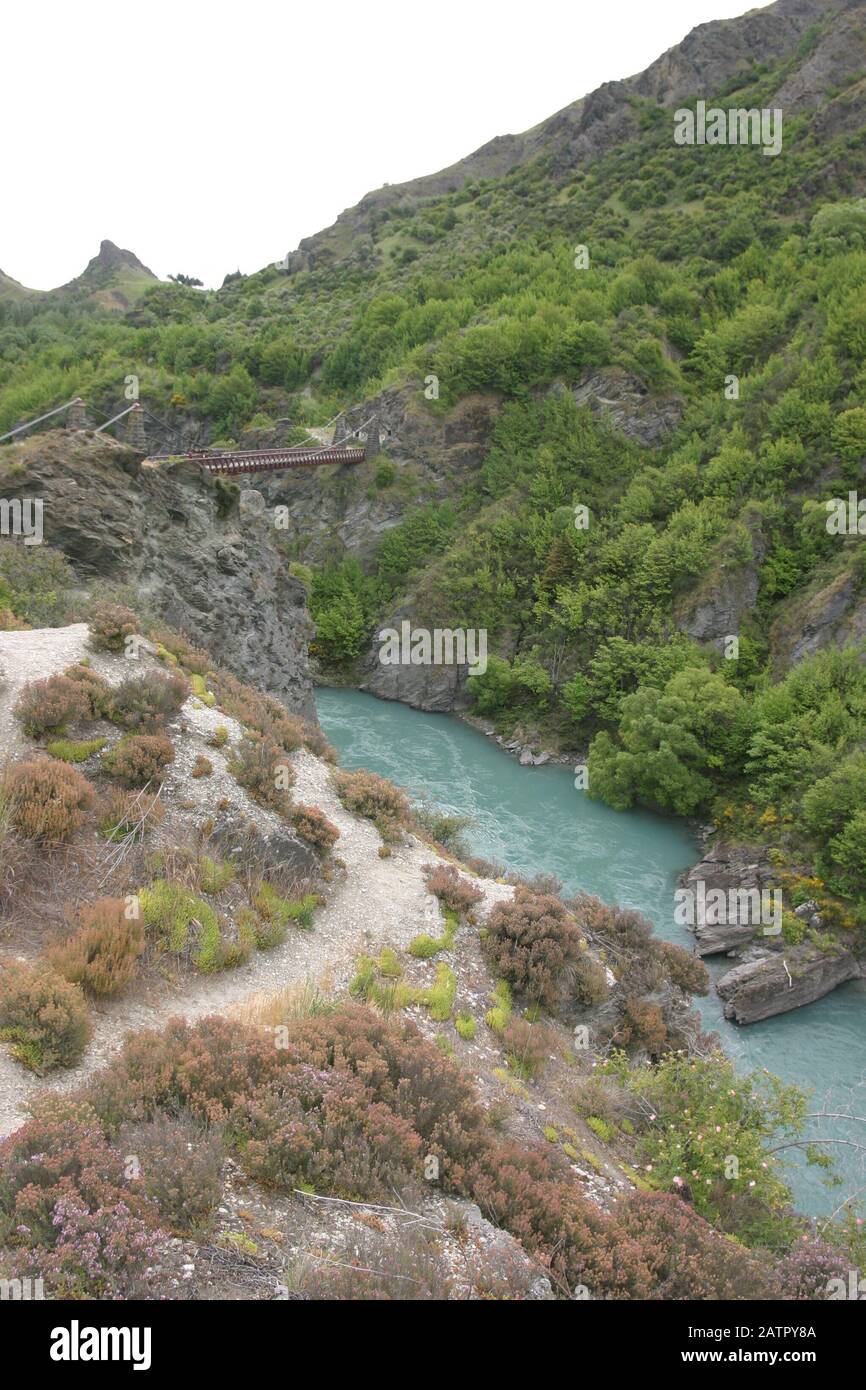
[[326, 1130], [261, 767], [145, 702], [590, 984], [375, 797], [95, 687], [202, 767], [535, 944], [313, 826], [139, 759], [683, 969], [102, 954], [110, 625], [179, 1165], [47, 798], [451, 888], [47, 706], [642, 1026], [43, 1017], [527, 1046], [192, 658]]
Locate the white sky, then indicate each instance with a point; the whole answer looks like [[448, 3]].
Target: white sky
[[208, 137]]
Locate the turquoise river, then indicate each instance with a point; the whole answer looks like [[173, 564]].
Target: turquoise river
[[534, 820]]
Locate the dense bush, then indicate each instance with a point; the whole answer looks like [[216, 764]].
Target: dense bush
[[110, 625], [43, 1017], [47, 706], [326, 1131], [139, 759], [145, 702], [313, 826], [375, 797], [95, 687], [451, 888], [102, 954], [178, 1163], [68, 1214], [47, 799], [534, 942]]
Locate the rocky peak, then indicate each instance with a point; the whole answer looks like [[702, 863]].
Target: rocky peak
[[111, 258]]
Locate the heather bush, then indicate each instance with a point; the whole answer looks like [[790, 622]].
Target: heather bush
[[179, 1164], [47, 799], [260, 766], [375, 797], [452, 890], [534, 942], [806, 1271], [16, 854], [313, 826], [102, 954], [47, 706], [590, 985], [121, 813], [138, 759], [527, 1046], [326, 1131], [95, 687], [683, 969], [202, 767], [43, 1017], [110, 625], [686, 1258], [61, 1152], [146, 701], [641, 1027]]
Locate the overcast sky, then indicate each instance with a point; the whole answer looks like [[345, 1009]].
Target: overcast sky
[[209, 138]]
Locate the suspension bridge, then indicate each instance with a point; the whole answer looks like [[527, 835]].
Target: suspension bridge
[[347, 445]]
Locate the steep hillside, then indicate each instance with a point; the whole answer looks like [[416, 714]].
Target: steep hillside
[[620, 380], [261, 1038]]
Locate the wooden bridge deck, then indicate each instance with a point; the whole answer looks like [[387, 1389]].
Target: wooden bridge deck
[[268, 460]]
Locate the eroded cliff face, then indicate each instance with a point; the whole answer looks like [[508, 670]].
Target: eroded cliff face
[[180, 540]]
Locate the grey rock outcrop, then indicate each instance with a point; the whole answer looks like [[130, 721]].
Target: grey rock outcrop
[[784, 980], [619, 397], [740, 872], [177, 537]]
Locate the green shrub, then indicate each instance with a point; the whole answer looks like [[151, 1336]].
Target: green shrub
[[497, 1017], [466, 1026], [183, 923], [75, 751]]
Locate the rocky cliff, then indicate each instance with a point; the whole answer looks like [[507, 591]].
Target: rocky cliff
[[181, 542]]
